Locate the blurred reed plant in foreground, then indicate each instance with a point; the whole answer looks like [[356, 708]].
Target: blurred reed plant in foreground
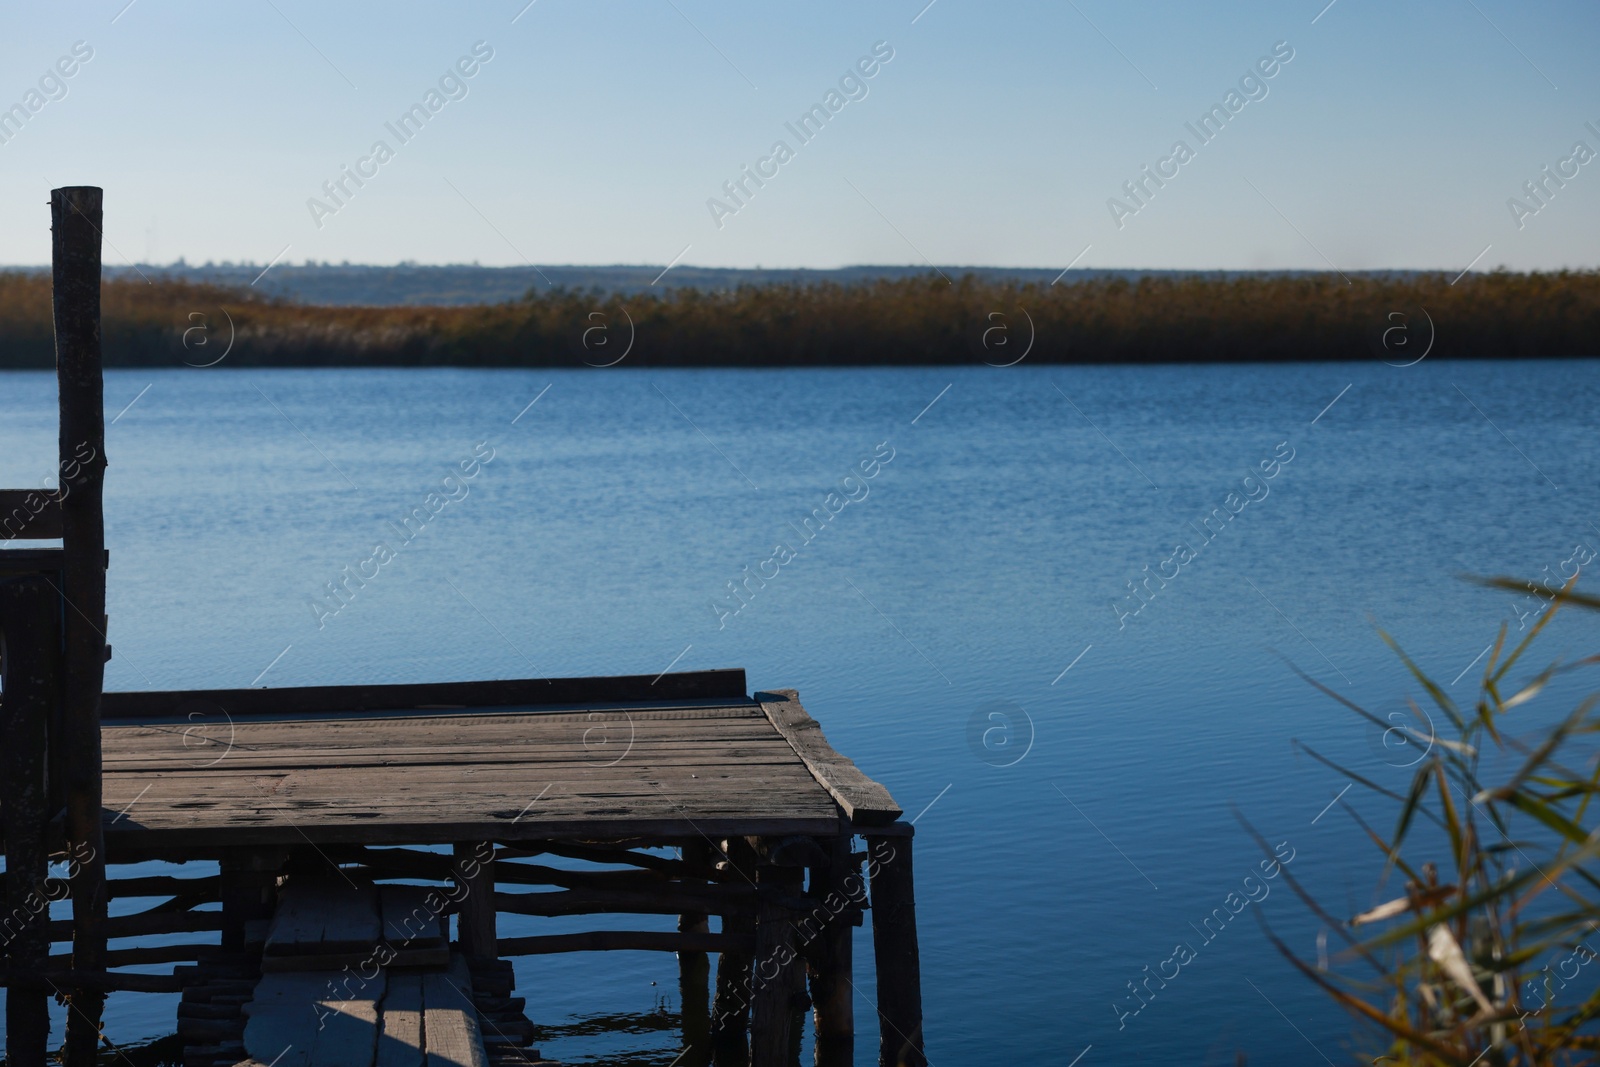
[[1486, 954]]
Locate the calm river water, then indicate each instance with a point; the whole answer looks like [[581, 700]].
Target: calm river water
[[963, 628]]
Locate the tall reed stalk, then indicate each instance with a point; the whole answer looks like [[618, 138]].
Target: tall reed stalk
[[1487, 956]]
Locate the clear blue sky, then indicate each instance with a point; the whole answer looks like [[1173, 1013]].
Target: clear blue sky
[[995, 136]]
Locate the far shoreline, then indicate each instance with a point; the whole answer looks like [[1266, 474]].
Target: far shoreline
[[919, 320]]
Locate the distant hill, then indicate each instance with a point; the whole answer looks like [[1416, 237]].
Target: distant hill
[[416, 285]]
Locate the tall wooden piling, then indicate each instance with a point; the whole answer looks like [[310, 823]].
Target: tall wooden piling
[[777, 1014], [475, 915], [894, 947], [694, 974], [76, 225], [831, 955], [730, 1011], [30, 651]]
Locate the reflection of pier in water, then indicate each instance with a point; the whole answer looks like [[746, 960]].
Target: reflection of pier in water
[[323, 808]]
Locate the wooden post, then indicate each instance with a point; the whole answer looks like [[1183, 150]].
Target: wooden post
[[30, 654], [475, 915], [777, 1016], [832, 955], [694, 974], [244, 886], [894, 945], [76, 224], [730, 1013]]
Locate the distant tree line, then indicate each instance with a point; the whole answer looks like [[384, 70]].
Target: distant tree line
[[925, 320]]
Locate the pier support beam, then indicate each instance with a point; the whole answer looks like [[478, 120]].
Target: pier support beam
[[475, 915], [694, 974], [730, 1013], [246, 884], [831, 955], [894, 946], [778, 1014], [30, 652], [76, 225]]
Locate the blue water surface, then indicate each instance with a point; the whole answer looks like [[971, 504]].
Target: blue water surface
[[1080, 773]]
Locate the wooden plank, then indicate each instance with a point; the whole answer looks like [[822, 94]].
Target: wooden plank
[[687, 685], [136, 957], [161, 885], [117, 981], [625, 941], [29, 515], [864, 801], [161, 922], [663, 900], [280, 1025], [520, 724], [450, 1019], [408, 920], [348, 1034], [432, 956], [323, 915], [400, 1031], [306, 1020], [171, 839], [19, 561], [696, 755]]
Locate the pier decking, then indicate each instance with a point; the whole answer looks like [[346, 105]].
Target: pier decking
[[353, 827], [185, 770]]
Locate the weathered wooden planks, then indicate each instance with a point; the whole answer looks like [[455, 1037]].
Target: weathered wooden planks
[[625, 941], [318, 916], [400, 1019], [411, 917], [510, 775], [450, 1019], [639, 688], [349, 1028], [400, 1032], [297, 1019], [866, 802], [29, 515]]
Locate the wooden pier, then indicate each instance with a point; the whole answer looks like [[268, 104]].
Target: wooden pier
[[355, 829]]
